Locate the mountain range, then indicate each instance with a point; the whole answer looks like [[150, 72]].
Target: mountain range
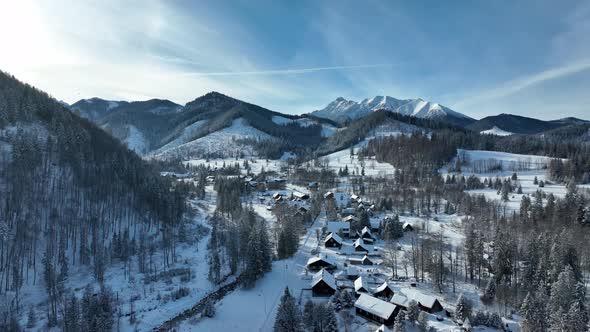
[[218, 125], [343, 110]]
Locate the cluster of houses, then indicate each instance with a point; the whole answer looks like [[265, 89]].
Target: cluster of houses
[[378, 302]]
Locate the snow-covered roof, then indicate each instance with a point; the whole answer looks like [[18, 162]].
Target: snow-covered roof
[[336, 226], [326, 276], [375, 223], [366, 230], [383, 328], [352, 270], [326, 259], [334, 236], [359, 284], [328, 194], [375, 306], [361, 243], [355, 197], [403, 299], [406, 224], [349, 218], [276, 195], [300, 195], [383, 287]]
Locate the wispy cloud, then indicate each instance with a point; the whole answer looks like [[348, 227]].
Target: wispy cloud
[[285, 71], [511, 87]]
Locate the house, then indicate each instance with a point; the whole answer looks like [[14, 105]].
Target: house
[[362, 246], [323, 284], [355, 198], [376, 309], [338, 227], [276, 196], [384, 291], [366, 234], [329, 195], [333, 240], [352, 272], [383, 328], [361, 261], [320, 262], [425, 302], [300, 196], [349, 218], [302, 209], [313, 186], [408, 227], [360, 286]]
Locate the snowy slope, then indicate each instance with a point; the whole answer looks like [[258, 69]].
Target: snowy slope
[[342, 109], [224, 142], [136, 141], [496, 131], [184, 137]]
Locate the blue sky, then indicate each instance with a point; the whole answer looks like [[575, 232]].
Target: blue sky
[[478, 57]]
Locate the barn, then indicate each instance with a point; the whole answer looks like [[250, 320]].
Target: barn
[[323, 284], [376, 309]]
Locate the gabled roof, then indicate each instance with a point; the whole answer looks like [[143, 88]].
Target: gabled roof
[[383, 286], [325, 276], [349, 218], [352, 270], [359, 284], [361, 243], [403, 299], [383, 328], [334, 236], [375, 306], [326, 259], [406, 224], [366, 230], [328, 194]]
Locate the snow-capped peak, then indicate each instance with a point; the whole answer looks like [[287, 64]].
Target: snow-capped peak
[[342, 109]]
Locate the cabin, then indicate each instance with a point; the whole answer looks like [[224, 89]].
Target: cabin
[[360, 286], [385, 291], [361, 261], [408, 227], [323, 284], [366, 234], [355, 198], [338, 227], [333, 240], [276, 196], [376, 309], [329, 195], [320, 262], [300, 196], [425, 302], [361, 246], [352, 272]]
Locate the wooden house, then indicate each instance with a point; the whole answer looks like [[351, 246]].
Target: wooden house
[[376, 309], [323, 284], [385, 291], [320, 262], [333, 241]]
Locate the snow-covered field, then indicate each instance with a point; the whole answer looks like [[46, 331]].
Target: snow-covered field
[[496, 131], [135, 140]]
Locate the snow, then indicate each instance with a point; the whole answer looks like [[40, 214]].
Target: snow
[[375, 306], [288, 155], [281, 120], [328, 130], [224, 141], [496, 131], [111, 104], [336, 226], [341, 109], [185, 136], [360, 284], [325, 276], [135, 140], [509, 161], [335, 236]]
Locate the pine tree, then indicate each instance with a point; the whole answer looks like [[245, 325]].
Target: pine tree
[[330, 321], [31, 318], [490, 291], [288, 317], [423, 321], [462, 308]]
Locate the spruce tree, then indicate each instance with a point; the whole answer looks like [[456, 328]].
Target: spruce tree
[[288, 317]]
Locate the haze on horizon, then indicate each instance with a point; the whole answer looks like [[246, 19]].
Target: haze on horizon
[[480, 58]]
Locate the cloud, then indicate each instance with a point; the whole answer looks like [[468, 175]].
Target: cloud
[[511, 87], [285, 71]]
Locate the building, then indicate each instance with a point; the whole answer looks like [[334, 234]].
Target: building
[[329, 195], [384, 291], [408, 227], [349, 218], [352, 272], [323, 284], [333, 240], [320, 262], [361, 246], [376, 309], [361, 261], [300, 196], [425, 302], [339, 227], [366, 234], [360, 286], [313, 186]]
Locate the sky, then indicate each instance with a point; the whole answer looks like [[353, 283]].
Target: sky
[[480, 58]]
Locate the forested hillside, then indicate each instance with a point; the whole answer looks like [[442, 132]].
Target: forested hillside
[[70, 194]]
